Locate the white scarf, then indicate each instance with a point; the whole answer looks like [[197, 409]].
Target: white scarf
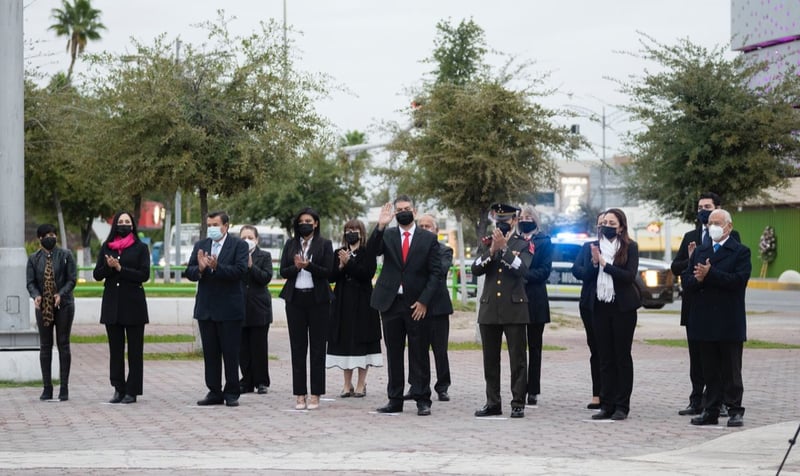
[[605, 283]]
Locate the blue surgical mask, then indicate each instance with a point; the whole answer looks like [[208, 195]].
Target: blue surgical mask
[[215, 232]]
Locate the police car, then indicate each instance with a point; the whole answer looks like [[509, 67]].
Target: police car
[[655, 280]]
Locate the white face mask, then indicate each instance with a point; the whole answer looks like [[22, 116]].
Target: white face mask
[[715, 232], [251, 244]]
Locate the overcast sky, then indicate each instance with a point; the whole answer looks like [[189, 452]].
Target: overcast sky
[[374, 47]]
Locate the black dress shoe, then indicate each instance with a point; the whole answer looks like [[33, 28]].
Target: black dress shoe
[[424, 410], [690, 410], [63, 393], [232, 402], [263, 389], [128, 399], [723, 411], [489, 410], [517, 412], [118, 396], [705, 418], [602, 415], [531, 399], [211, 399], [408, 396], [593, 406], [736, 420], [47, 393], [245, 389], [619, 415], [390, 408], [444, 397]]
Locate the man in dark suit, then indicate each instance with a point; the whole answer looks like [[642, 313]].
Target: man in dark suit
[[716, 280], [409, 279], [439, 311], [707, 203], [218, 264], [504, 310]]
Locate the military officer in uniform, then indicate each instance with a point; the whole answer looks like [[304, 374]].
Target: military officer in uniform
[[503, 309]]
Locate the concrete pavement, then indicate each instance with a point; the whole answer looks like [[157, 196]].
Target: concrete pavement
[[165, 433]]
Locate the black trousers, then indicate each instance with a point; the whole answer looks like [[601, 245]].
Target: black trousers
[[439, 336], [492, 340], [397, 326], [116, 363], [221, 340], [614, 332], [308, 327], [722, 369], [254, 356], [594, 353], [535, 331], [62, 323], [695, 372]]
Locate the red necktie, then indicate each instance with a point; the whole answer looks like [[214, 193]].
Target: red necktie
[[405, 245]]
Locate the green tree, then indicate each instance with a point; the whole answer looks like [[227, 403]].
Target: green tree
[[458, 53], [708, 126], [79, 22]]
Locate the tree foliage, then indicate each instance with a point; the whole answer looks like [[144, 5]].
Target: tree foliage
[[475, 141], [79, 22], [708, 127]]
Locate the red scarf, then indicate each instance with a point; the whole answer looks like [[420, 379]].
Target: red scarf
[[120, 244]]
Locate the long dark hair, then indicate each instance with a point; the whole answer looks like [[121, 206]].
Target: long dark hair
[[113, 233], [305, 211], [622, 235]]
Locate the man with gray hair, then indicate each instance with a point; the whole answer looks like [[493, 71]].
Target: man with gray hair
[[716, 279]]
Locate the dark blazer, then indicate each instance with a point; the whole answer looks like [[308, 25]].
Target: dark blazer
[[124, 301], [626, 295], [441, 304], [538, 274], [354, 283], [681, 262], [717, 312], [220, 294], [258, 301], [320, 265], [581, 269], [64, 269], [504, 300], [420, 275]]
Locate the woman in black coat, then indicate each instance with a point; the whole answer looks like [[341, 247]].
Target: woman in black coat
[[614, 299], [355, 331], [253, 354], [306, 263], [124, 264], [536, 289]]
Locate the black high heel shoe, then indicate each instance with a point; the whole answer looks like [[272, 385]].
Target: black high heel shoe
[[347, 394], [361, 394]]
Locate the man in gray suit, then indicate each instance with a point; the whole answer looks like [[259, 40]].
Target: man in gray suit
[[504, 310], [218, 264]]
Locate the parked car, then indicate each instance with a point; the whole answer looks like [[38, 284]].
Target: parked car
[[655, 280]]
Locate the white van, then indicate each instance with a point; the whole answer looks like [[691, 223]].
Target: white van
[[270, 239]]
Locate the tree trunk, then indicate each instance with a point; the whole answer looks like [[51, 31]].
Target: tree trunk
[[137, 207], [203, 213], [462, 263], [86, 241], [167, 243], [62, 230]]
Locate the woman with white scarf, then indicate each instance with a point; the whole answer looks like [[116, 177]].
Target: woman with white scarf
[[615, 258]]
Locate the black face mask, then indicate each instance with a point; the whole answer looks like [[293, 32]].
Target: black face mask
[[527, 226], [404, 218], [305, 229], [504, 226], [608, 231], [124, 230], [702, 216], [352, 237], [49, 242]]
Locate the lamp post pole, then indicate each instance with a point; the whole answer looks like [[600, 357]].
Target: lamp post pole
[[15, 332]]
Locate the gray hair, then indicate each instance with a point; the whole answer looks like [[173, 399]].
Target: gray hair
[[529, 211], [725, 215]]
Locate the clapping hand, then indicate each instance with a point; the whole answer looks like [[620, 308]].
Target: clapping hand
[[701, 270], [344, 257], [112, 262], [499, 241]]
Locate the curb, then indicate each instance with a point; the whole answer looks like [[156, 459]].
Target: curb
[[772, 285]]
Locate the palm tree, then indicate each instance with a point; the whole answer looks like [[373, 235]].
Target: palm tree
[[80, 23]]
